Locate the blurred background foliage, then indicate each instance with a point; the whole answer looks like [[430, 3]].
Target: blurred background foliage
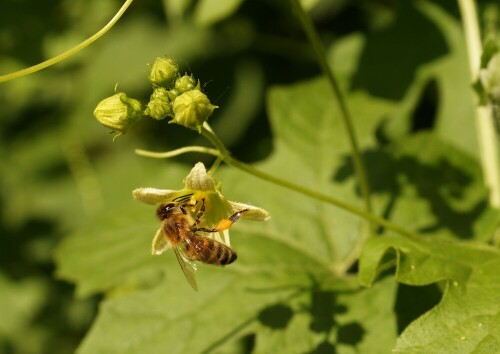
[[60, 168]]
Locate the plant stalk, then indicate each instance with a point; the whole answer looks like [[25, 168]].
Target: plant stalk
[[70, 52], [488, 148], [319, 50]]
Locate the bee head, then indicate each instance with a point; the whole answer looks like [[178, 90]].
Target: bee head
[[166, 210]]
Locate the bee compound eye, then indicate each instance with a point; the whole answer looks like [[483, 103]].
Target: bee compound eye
[[164, 210], [169, 206]]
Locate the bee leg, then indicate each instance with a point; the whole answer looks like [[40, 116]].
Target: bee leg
[[236, 216], [187, 204], [224, 224], [200, 212]]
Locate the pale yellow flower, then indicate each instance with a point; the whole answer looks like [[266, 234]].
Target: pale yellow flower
[[198, 187]]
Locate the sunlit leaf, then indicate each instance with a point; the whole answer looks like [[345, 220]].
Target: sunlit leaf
[[151, 319], [468, 317]]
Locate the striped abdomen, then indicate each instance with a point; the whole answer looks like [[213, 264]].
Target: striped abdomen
[[209, 251]]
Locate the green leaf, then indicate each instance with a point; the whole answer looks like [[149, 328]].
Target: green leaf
[[425, 261], [467, 320], [301, 249], [100, 256], [290, 285], [306, 123], [276, 259], [468, 317], [430, 70], [433, 188], [20, 302], [173, 313], [327, 321]]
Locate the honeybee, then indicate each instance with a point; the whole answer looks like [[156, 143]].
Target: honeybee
[[179, 229]]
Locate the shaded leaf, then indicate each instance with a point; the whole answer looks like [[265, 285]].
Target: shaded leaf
[[432, 188], [20, 303], [434, 58], [326, 321]]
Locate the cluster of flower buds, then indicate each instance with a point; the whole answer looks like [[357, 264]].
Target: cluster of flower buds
[[174, 96]]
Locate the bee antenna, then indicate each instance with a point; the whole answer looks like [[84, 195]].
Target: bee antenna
[[182, 198]]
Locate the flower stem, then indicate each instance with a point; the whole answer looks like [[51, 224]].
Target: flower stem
[[70, 52], [215, 165], [227, 158], [177, 152], [319, 50], [490, 160], [319, 196]]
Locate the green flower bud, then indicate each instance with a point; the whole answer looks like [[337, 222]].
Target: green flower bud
[[159, 106], [118, 112], [163, 72], [186, 83], [183, 84], [172, 94], [191, 109]]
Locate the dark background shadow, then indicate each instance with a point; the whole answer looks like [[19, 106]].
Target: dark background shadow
[[413, 38], [387, 174], [322, 308]]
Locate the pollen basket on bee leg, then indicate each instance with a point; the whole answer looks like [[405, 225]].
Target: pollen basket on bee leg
[[223, 225]]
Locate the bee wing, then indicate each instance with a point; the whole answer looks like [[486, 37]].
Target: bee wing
[[188, 268]]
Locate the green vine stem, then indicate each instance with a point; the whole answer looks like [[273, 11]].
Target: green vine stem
[[177, 152], [319, 50], [227, 158], [215, 166], [70, 52], [490, 159]]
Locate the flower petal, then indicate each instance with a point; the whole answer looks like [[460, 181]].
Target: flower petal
[[199, 180], [154, 196], [160, 243], [253, 213]]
